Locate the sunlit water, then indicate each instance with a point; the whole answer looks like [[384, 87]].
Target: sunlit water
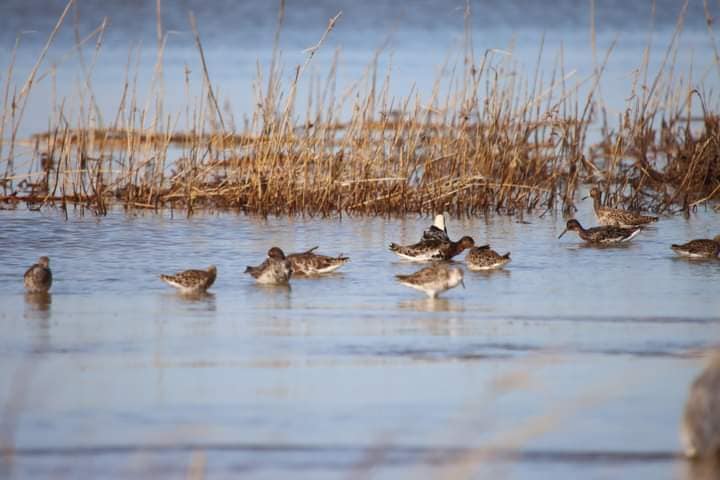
[[574, 362], [414, 40]]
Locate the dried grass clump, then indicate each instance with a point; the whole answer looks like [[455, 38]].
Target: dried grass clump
[[487, 139]]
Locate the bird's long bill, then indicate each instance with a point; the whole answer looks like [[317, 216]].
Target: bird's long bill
[[462, 282], [564, 232]]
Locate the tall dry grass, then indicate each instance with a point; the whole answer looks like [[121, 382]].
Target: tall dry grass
[[489, 139]]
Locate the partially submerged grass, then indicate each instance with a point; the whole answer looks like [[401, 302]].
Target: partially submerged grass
[[486, 140]]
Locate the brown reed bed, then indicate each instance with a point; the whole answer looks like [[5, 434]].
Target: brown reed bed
[[487, 140]]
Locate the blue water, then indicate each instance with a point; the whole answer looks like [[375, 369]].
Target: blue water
[[572, 361], [413, 40]]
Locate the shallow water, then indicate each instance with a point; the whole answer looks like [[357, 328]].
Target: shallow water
[[571, 360]]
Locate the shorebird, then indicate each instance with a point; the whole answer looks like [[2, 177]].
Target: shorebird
[[310, 263], [701, 248], [437, 231], [700, 429], [601, 235], [616, 217], [485, 258], [434, 279], [275, 270], [192, 281], [427, 250], [38, 278]]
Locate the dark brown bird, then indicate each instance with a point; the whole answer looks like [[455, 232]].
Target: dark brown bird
[[601, 235], [432, 249], [38, 278]]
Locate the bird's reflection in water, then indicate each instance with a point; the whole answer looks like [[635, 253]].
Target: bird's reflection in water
[[275, 296], [495, 272], [204, 301], [37, 312], [702, 469], [37, 305], [602, 246], [431, 305]]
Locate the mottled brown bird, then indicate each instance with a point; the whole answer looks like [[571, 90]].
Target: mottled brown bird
[[311, 263], [192, 281], [700, 248], [434, 279], [485, 258], [432, 249], [616, 217], [38, 278]]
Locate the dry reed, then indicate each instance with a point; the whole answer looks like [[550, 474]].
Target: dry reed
[[492, 141]]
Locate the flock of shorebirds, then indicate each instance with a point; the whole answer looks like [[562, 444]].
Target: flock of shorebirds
[[701, 421], [435, 246]]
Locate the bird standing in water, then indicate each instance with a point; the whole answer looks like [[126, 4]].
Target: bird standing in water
[[616, 217], [191, 282], [38, 278], [485, 258], [606, 235], [428, 250], [434, 279], [700, 248], [310, 263], [437, 231], [275, 270]]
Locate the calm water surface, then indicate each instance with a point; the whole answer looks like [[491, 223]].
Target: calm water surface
[[573, 362], [414, 40]]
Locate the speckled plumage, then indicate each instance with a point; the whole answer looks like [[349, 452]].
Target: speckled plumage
[[275, 270], [485, 258], [310, 263], [38, 278], [192, 281], [700, 429], [429, 250], [601, 235], [434, 279], [700, 248], [616, 217]]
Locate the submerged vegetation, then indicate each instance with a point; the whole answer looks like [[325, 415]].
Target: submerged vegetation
[[485, 139]]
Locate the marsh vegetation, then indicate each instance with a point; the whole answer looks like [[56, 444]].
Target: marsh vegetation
[[486, 138]]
